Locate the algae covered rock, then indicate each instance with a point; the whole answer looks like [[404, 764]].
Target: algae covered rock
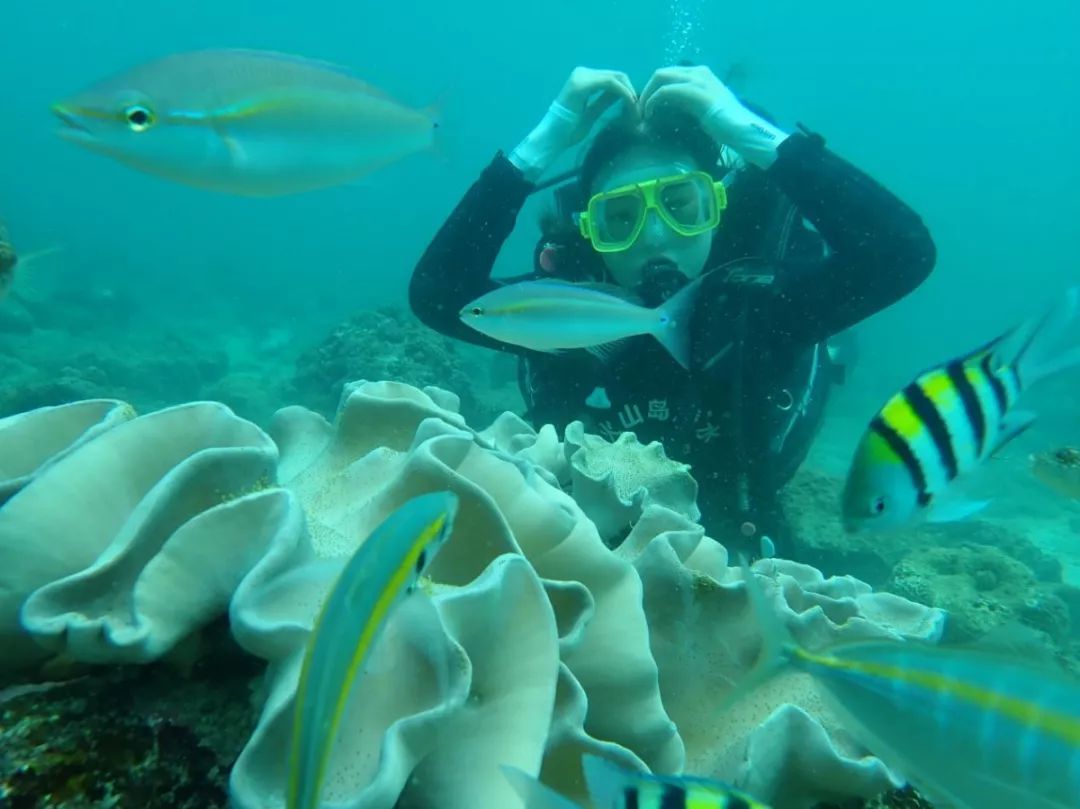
[[982, 588], [812, 503], [145, 737], [383, 344]]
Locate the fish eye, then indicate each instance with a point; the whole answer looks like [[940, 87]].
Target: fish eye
[[878, 505], [139, 118], [477, 310]]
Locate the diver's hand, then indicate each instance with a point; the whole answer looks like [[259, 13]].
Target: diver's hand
[[571, 116], [698, 92]]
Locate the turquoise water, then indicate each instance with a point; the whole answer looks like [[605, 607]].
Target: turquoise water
[[966, 110]]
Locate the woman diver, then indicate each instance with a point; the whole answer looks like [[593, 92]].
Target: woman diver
[[794, 244]]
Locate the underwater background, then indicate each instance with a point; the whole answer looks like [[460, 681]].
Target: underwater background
[[164, 294], [964, 109]]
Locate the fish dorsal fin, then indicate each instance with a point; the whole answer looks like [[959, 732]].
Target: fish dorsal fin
[[1040, 346], [611, 290], [313, 64]]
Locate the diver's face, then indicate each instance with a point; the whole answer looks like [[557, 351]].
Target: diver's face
[[658, 245]]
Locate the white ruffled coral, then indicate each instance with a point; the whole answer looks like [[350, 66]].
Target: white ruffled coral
[[650, 638], [614, 481], [30, 441], [534, 644], [127, 542]]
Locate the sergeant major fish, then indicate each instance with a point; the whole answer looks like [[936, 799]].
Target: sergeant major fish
[[246, 122], [379, 575], [952, 418], [612, 787], [551, 315]]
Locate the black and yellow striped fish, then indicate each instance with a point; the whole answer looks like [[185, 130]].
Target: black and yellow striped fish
[[950, 419], [612, 787]]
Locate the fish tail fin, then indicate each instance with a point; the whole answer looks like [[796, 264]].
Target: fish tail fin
[[673, 324], [533, 794], [435, 112], [1044, 345], [605, 779], [776, 641], [27, 260]]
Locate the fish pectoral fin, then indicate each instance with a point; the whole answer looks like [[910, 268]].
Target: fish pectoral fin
[[605, 351], [1012, 425], [955, 510], [237, 154]]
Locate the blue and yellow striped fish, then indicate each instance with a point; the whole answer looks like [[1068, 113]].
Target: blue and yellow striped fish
[[968, 729], [612, 787], [379, 575], [951, 419]]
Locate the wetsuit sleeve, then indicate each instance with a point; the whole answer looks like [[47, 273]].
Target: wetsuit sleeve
[[456, 267], [879, 248]]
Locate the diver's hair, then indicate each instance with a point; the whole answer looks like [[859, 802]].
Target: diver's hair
[[673, 130]]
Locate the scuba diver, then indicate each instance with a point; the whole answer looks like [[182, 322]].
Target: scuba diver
[[8, 260], [791, 243]]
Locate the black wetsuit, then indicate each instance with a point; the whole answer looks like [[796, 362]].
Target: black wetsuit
[[806, 249]]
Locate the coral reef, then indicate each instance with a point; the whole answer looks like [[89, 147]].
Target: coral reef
[[625, 653], [388, 343], [811, 501], [614, 481], [536, 640], [982, 589], [141, 737], [156, 372], [162, 516]]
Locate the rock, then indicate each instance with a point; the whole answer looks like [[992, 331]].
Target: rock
[[982, 588], [386, 344]]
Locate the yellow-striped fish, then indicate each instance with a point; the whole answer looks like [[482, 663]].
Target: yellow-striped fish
[[379, 575], [245, 122], [951, 419], [970, 730], [612, 787]]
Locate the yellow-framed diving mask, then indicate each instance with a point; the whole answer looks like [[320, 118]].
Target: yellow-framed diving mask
[[689, 204]]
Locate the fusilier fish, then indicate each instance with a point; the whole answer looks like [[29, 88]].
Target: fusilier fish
[[246, 122], [612, 787], [952, 418], [969, 729], [552, 315], [380, 574]]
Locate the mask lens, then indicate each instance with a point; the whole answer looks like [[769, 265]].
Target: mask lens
[[617, 218], [688, 203]]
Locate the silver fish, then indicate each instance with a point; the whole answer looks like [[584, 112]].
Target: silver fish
[[554, 315], [245, 122]]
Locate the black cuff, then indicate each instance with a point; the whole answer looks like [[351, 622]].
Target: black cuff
[[507, 175], [798, 147]]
